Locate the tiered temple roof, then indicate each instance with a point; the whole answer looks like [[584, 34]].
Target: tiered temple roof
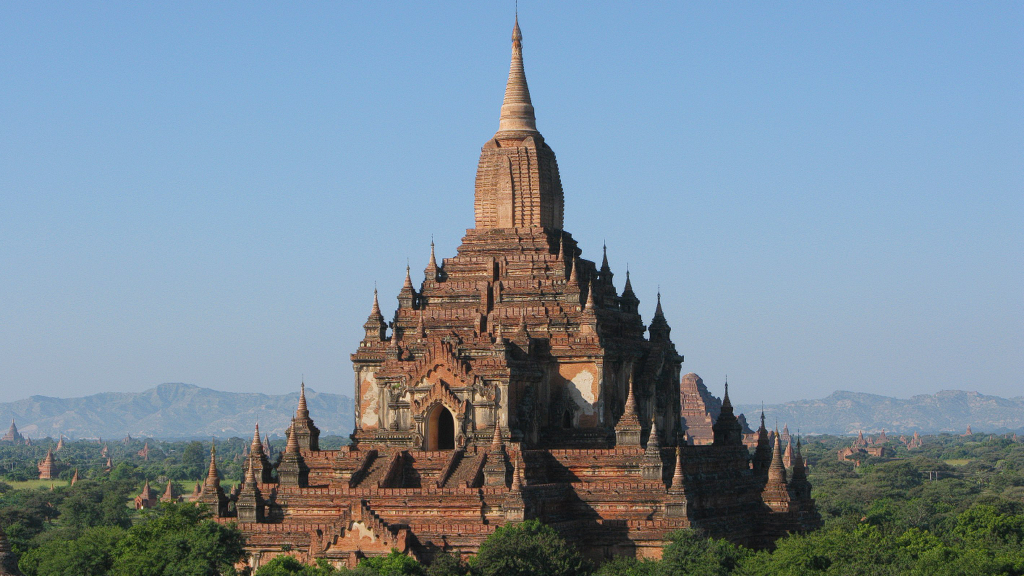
[[12, 434], [48, 468], [147, 498]]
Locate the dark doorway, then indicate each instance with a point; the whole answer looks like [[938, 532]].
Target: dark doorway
[[440, 429], [567, 420], [445, 430]]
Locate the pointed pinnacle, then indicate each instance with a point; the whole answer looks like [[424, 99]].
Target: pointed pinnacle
[[431, 271], [517, 478], [652, 439], [303, 409], [677, 474], [777, 470], [211, 474], [256, 437], [589, 306], [293, 441], [496, 439], [630, 408], [250, 477], [517, 110]]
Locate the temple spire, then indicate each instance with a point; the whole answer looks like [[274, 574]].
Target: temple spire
[[630, 408], [407, 295], [517, 109], [169, 492], [627, 430], [589, 306], [496, 439], [677, 474], [517, 478], [659, 328], [799, 471], [303, 410], [430, 273], [762, 452], [653, 442], [212, 478], [292, 447], [250, 476], [777, 470]]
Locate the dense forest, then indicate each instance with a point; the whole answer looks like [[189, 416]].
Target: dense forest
[[953, 506]]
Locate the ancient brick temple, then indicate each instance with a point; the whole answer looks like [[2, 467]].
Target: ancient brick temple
[[48, 467], [12, 434], [514, 382]]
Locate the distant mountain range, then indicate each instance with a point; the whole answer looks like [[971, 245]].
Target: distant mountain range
[[849, 412], [173, 411], [189, 411]]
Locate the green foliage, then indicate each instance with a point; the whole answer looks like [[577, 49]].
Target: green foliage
[[690, 552], [193, 461], [91, 554], [447, 564], [629, 567], [178, 539], [89, 504], [25, 514], [528, 549], [288, 566], [394, 564]]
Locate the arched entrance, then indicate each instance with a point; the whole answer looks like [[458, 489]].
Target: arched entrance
[[440, 429]]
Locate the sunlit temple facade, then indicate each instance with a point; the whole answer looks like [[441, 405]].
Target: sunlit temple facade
[[516, 382]]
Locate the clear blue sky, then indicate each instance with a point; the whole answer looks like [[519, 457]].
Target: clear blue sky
[[830, 194]]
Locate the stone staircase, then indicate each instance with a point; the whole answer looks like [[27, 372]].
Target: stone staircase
[[466, 471]]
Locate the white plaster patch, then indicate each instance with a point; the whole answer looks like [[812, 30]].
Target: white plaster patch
[[363, 531], [583, 392], [370, 404]]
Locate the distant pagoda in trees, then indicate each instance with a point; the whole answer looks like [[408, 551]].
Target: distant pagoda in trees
[[12, 434], [48, 468]]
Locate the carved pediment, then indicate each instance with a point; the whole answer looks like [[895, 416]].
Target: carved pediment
[[440, 357], [439, 392]]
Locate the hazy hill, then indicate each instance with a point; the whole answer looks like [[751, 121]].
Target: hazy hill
[[848, 412], [186, 411], [173, 411]]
